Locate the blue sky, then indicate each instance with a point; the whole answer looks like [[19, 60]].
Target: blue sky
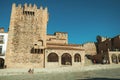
[[82, 19]]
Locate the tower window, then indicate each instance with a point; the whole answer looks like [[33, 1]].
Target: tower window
[[36, 51], [41, 50], [28, 13]]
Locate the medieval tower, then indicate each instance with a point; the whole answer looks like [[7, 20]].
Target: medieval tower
[[27, 36]]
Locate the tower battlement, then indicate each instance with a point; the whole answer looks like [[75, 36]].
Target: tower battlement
[[20, 12], [29, 7]]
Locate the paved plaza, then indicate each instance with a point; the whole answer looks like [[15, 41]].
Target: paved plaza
[[93, 72]]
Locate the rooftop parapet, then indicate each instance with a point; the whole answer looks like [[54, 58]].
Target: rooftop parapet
[[30, 6]]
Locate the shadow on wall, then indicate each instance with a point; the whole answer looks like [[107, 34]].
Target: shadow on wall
[[99, 79]]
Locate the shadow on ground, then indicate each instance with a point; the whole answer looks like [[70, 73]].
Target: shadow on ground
[[99, 79]]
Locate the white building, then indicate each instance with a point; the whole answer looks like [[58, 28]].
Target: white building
[[3, 46]]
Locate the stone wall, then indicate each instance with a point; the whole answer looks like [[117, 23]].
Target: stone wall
[[58, 38], [90, 48], [26, 61], [116, 43]]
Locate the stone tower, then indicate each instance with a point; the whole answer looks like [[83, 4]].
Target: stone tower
[[26, 37]]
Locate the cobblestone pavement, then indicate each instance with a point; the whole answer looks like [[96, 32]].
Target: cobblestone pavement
[[94, 72]]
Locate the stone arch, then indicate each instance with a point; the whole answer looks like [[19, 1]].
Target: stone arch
[[66, 59], [52, 57], [77, 57], [119, 58], [114, 58], [105, 59], [2, 63], [40, 42]]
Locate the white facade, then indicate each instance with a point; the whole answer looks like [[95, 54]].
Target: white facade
[[3, 44]]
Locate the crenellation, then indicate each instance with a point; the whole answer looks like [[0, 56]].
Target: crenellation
[[19, 6], [30, 5], [13, 5], [46, 9], [34, 6], [25, 5], [41, 8]]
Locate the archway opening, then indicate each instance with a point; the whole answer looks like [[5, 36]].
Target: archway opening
[[105, 59], [52, 57], [66, 59], [77, 58], [114, 58], [1, 63]]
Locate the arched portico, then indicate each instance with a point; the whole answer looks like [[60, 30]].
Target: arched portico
[[64, 58]]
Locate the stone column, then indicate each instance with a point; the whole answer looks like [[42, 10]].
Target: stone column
[[117, 58], [72, 56], [44, 52], [45, 58], [59, 60], [82, 58], [110, 58]]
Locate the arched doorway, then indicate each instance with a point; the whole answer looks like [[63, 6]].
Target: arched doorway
[[105, 59], [66, 59], [114, 58], [119, 58], [1, 63], [77, 58], [52, 57]]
